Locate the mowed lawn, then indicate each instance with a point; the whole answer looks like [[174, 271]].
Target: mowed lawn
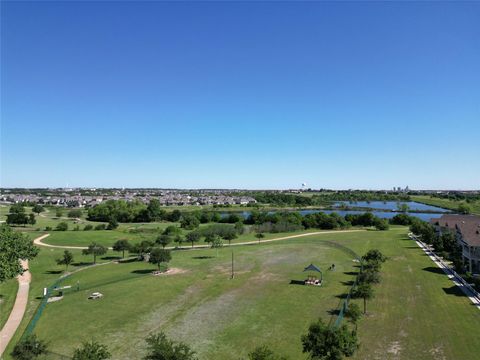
[[219, 317], [417, 313]]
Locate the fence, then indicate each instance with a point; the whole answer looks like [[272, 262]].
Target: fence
[[343, 305], [41, 307]]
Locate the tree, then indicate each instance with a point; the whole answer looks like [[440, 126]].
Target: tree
[[239, 227], [91, 351], [353, 312], [174, 216], [369, 276], [216, 243], [17, 209], [163, 240], [464, 208], [31, 219], [172, 230], [382, 224], [264, 353], [66, 259], [189, 222], [95, 250], [75, 213], [62, 226], [329, 343], [112, 224], [142, 248], [159, 256], [17, 218], [155, 211], [59, 212], [14, 246], [29, 348], [374, 255], [37, 208], [193, 237], [403, 207], [159, 347], [364, 291], [259, 236], [122, 245]]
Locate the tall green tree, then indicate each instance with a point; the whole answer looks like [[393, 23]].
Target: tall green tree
[[325, 342], [95, 250], [216, 243], [159, 256], [142, 248], [66, 259], [163, 240], [122, 245], [91, 350], [364, 291], [159, 347], [13, 247], [193, 237], [37, 208]]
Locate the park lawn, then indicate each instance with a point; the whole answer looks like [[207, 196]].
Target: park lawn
[[417, 312], [446, 203], [45, 272], [8, 292], [221, 318]]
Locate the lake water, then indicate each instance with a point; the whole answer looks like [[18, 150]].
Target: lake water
[[380, 205], [390, 205]]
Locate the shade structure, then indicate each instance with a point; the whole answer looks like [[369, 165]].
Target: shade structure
[[312, 267]]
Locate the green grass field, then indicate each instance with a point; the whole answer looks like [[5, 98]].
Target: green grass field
[[446, 203], [8, 291], [417, 312]]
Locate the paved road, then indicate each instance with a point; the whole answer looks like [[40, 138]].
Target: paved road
[[38, 241], [18, 309]]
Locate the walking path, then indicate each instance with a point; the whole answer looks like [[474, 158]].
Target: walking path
[[18, 310], [38, 241], [452, 275]]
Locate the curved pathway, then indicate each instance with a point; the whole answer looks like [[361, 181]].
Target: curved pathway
[[18, 310], [38, 241]]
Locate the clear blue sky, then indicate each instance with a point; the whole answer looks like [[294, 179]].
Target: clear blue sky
[[244, 95]]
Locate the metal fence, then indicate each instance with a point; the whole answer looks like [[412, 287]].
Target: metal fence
[[343, 305]]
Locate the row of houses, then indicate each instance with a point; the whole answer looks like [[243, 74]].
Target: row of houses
[[467, 233], [166, 199]]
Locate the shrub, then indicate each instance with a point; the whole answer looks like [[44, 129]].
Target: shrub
[[63, 226], [88, 227]]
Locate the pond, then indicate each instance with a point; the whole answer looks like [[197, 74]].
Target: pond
[[390, 205], [385, 210]]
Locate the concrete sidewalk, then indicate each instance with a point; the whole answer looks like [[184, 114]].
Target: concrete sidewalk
[[18, 310]]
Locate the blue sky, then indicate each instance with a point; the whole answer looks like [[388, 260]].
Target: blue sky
[[241, 94]]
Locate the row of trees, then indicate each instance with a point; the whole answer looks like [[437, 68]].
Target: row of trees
[[18, 216], [443, 242], [158, 347]]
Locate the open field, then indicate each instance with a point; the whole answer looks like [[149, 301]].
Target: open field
[[417, 312], [446, 203]]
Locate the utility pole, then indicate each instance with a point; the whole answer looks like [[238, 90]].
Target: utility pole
[[233, 272]]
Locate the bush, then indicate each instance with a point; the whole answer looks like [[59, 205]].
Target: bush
[[382, 224], [30, 348], [63, 226], [48, 228], [88, 227], [100, 227], [76, 228]]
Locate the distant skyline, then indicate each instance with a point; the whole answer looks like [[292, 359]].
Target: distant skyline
[[249, 95]]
